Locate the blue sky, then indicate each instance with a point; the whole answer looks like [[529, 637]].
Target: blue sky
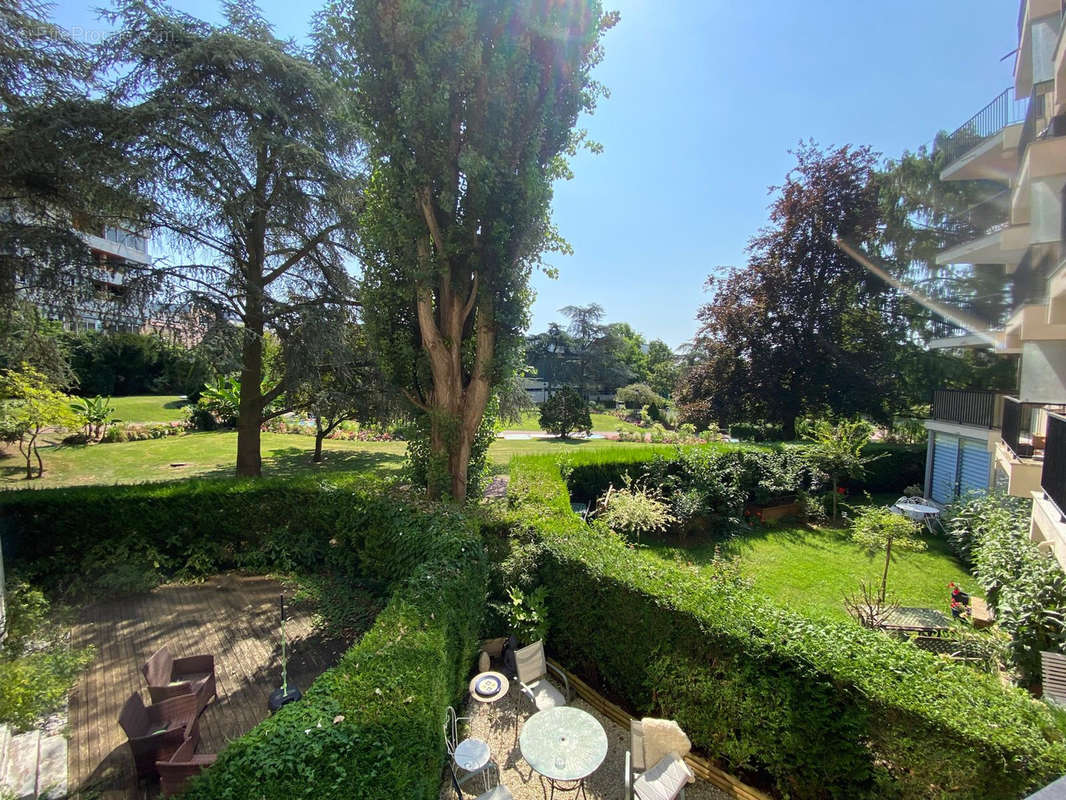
[[707, 98]]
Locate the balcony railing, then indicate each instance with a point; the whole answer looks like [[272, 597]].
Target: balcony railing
[[1016, 427], [1053, 477], [966, 407], [1004, 110]]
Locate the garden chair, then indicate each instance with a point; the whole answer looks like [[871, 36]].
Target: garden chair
[[171, 677], [156, 732], [497, 792], [184, 764], [668, 774], [531, 666], [451, 741]]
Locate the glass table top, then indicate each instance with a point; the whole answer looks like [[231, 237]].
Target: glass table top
[[563, 743]]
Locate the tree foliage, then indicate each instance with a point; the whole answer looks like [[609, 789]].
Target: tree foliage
[[801, 328], [29, 404], [469, 110], [878, 530], [245, 150], [63, 168], [837, 450], [333, 374], [564, 412]]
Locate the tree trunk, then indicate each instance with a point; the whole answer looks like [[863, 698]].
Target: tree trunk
[[884, 576], [319, 436], [250, 409], [27, 452], [249, 412]]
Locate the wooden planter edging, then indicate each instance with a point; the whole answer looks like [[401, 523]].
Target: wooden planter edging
[[701, 767]]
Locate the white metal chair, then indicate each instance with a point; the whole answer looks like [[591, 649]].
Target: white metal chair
[[452, 741], [532, 667], [664, 780], [497, 792]]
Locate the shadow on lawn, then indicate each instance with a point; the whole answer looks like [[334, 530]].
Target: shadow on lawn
[[293, 461]]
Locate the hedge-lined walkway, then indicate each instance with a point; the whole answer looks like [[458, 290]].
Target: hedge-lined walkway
[[233, 617]]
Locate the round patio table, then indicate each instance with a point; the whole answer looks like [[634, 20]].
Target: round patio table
[[918, 511], [565, 745]]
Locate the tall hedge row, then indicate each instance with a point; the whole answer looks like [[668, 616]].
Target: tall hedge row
[[368, 727], [811, 709], [130, 538]]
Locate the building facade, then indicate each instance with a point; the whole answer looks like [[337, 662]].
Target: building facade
[[1015, 442]]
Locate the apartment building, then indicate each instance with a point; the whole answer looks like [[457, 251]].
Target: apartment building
[[115, 252], [1018, 142]]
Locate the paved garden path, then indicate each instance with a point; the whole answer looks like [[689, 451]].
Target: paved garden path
[[233, 617]]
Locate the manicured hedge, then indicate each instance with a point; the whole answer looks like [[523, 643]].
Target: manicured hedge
[[370, 726], [811, 709], [130, 538], [894, 468]]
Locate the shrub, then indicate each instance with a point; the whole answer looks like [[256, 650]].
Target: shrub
[[564, 412], [892, 468], [816, 709], [635, 509], [1027, 588], [636, 395], [37, 664], [36, 684], [756, 432]]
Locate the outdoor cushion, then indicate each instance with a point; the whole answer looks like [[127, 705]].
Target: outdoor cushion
[[662, 737], [664, 781], [546, 696]]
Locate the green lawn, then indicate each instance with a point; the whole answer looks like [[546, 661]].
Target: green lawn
[[149, 408], [809, 569], [601, 423], [213, 454]]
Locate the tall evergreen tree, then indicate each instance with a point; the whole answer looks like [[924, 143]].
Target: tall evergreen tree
[[246, 152]]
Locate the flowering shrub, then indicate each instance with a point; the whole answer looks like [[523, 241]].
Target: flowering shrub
[[347, 432], [138, 432]]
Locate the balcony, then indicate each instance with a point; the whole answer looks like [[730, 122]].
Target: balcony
[[1048, 526], [1053, 476], [966, 407], [1020, 451], [985, 147], [1006, 245]]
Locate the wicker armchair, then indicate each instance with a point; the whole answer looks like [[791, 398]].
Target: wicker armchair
[[156, 732], [184, 764], [171, 677]]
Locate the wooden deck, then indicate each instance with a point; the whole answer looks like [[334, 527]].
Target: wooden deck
[[233, 617]]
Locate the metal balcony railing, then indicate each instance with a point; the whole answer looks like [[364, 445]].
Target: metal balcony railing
[[966, 407], [1016, 419], [1053, 477], [1004, 110]]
